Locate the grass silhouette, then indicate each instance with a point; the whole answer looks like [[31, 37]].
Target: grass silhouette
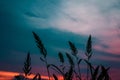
[[27, 65], [43, 52], [73, 70]]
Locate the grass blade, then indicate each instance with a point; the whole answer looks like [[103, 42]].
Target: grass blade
[[70, 59], [60, 55], [55, 77], [27, 65], [40, 45], [73, 48]]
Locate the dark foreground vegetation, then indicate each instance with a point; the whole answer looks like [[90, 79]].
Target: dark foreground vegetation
[[71, 71]]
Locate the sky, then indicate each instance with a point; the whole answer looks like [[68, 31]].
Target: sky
[[57, 22]]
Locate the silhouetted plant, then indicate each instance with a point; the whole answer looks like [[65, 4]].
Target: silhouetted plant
[[70, 59], [72, 70], [74, 53], [43, 52], [37, 77], [96, 73], [88, 52], [104, 74], [73, 48], [27, 65], [68, 75], [40, 45], [55, 77], [19, 77], [89, 48], [61, 57]]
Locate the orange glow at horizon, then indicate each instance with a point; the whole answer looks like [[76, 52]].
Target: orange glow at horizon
[[5, 75]]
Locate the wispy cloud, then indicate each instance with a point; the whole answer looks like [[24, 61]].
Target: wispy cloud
[[99, 18], [109, 41], [87, 17]]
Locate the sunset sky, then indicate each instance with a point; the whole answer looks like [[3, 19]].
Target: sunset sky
[[57, 22]]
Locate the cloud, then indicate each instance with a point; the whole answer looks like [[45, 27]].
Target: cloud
[[40, 12], [30, 14], [86, 17], [99, 18], [109, 42]]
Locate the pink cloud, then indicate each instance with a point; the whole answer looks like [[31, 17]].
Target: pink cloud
[[111, 39], [86, 17]]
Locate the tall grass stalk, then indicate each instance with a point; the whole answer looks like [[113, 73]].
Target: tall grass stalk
[[74, 52], [43, 52], [72, 70], [27, 65], [88, 53], [95, 73]]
